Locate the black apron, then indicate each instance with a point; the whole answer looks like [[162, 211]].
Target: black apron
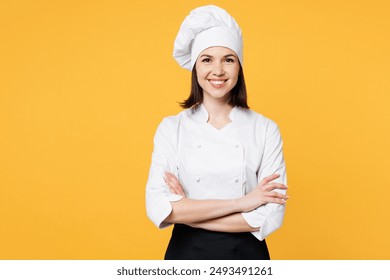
[[189, 243]]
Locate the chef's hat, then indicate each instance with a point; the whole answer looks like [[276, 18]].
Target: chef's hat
[[204, 27]]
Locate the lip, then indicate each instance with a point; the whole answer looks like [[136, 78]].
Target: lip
[[217, 83]]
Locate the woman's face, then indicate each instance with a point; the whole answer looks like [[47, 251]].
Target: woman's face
[[217, 72]]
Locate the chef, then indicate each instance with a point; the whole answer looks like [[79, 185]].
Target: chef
[[217, 172]]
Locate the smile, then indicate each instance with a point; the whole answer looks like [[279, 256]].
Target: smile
[[217, 83]]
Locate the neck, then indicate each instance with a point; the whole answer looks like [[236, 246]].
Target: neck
[[218, 110]]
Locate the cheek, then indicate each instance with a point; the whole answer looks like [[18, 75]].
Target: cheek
[[198, 76], [200, 80], [200, 73], [201, 76], [234, 75], [233, 70]]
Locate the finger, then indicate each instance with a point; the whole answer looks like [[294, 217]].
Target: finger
[[174, 184], [171, 189], [273, 186], [279, 201], [175, 189], [169, 183], [173, 179], [275, 200], [277, 195], [268, 179], [170, 179]]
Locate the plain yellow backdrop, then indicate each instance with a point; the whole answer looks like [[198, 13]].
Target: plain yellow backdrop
[[84, 84]]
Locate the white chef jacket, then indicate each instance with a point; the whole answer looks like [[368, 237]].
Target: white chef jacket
[[216, 164]]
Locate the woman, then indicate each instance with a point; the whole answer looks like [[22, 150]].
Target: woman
[[217, 168]]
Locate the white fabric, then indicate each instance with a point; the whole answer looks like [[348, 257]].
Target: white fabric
[[216, 164], [204, 27]]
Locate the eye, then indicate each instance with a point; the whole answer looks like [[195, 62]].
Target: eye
[[229, 60], [206, 60]]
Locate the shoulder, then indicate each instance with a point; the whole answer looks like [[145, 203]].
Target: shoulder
[[262, 127], [169, 126], [255, 118], [172, 122]]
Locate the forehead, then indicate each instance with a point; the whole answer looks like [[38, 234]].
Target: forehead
[[218, 51]]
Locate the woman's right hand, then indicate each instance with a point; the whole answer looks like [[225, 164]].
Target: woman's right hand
[[263, 193], [173, 184]]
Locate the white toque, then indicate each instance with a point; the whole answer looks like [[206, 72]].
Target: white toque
[[204, 27]]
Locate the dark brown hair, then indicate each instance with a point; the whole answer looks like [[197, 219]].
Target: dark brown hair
[[238, 93]]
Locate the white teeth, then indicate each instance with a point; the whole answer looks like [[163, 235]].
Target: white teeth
[[217, 82]]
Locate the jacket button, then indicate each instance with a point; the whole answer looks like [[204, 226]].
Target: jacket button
[[197, 179], [199, 146], [236, 146], [235, 179]]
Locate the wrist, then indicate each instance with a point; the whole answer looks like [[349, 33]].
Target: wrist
[[238, 205]]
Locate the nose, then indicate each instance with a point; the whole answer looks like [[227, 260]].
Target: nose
[[218, 69]]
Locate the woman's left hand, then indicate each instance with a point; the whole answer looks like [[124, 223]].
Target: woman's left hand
[[174, 184]]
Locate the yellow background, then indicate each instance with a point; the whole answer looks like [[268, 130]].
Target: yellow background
[[84, 84]]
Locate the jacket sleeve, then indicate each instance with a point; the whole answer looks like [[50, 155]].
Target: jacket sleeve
[[269, 217], [158, 196]]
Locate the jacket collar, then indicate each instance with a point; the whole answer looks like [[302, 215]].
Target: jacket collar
[[201, 114]]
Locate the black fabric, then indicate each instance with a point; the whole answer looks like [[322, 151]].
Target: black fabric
[[189, 243]]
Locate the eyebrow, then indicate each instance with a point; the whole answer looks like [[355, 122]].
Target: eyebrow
[[207, 55]]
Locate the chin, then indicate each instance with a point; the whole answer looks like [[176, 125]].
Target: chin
[[218, 95]]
